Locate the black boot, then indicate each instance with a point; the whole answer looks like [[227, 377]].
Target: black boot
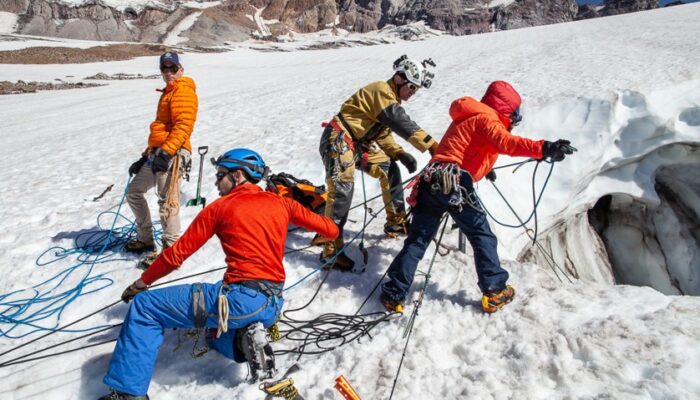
[[136, 246], [116, 395]]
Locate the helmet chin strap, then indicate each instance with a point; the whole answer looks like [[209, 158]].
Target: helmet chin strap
[[234, 183], [400, 85]]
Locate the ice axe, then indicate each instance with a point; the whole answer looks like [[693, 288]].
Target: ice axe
[[202, 150]]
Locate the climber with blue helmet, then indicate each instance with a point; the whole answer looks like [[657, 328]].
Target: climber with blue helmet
[[251, 225]]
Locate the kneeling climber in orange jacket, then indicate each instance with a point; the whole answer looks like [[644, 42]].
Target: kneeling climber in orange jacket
[[252, 227]]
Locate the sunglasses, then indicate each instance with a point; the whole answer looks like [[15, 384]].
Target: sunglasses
[[220, 175], [171, 68], [516, 117]]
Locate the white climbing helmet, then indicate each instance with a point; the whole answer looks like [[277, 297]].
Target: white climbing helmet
[[415, 71]]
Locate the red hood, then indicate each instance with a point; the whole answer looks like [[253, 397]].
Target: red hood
[[502, 97]]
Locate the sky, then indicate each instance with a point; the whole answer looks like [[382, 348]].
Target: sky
[[586, 81]]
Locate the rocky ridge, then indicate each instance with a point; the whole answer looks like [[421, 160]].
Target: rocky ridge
[[199, 23]]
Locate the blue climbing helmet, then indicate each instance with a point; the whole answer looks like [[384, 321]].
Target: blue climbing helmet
[[245, 159]]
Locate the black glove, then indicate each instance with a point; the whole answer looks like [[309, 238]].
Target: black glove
[[161, 162], [408, 161], [433, 149], [491, 176], [557, 150], [136, 167], [132, 291]]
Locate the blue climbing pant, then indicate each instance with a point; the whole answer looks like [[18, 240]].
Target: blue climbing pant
[[425, 223], [153, 311]]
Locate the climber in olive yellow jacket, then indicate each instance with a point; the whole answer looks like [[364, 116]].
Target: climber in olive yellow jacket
[[162, 163], [370, 115]]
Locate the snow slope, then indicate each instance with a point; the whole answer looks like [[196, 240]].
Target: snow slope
[[585, 81]]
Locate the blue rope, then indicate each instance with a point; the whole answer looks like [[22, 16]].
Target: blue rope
[[32, 307]]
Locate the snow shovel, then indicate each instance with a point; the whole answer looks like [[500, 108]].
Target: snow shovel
[[202, 150]]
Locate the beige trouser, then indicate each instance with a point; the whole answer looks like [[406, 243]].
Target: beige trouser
[[339, 161], [143, 181]]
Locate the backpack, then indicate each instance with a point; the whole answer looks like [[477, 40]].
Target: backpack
[[310, 196]]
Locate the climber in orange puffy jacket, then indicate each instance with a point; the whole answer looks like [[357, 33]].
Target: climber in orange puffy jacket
[[479, 132], [163, 162]]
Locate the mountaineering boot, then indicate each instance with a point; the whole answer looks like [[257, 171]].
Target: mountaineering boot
[[252, 342], [390, 304], [394, 231], [341, 261], [138, 247], [492, 302], [115, 395]]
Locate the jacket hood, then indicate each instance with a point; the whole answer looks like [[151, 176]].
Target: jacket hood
[[502, 97], [182, 81], [467, 107]]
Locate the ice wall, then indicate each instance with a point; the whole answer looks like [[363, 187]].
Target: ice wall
[[634, 215]]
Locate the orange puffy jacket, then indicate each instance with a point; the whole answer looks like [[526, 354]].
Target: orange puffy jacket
[[479, 133], [177, 111], [252, 227]]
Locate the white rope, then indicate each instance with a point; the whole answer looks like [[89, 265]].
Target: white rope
[[223, 315]]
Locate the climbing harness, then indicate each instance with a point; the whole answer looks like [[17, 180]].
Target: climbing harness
[[445, 178]]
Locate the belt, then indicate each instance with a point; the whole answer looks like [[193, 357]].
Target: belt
[[265, 287]]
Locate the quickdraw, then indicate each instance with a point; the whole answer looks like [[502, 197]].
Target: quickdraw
[[445, 178]]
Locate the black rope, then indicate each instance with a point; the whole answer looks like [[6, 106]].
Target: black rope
[[535, 201], [331, 330], [549, 258], [328, 331], [409, 327], [355, 325]]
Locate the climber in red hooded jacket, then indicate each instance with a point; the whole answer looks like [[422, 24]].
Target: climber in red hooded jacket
[[479, 132]]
